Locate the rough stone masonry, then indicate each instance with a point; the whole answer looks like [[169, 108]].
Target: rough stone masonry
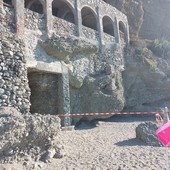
[[62, 62]]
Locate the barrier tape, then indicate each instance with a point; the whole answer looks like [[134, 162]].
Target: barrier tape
[[103, 114]]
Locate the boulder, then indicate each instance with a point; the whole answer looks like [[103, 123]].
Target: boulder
[[147, 133]]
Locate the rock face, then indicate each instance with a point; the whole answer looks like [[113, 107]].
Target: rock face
[[74, 74], [147, 133], [23, 135], [143, 19], [95, 77], [93, 74], [155, 24], [101, 90], [62, 47], [134, 11], [146, 80]]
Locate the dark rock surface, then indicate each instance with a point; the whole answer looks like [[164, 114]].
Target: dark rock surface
[[147, 133]]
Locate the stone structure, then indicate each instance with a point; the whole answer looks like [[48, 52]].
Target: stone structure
[[92, 19], [67, 44]]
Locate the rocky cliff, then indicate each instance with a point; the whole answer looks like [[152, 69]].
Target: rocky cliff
[[146, 78], [95, 75], [87, 76], [147, 18]]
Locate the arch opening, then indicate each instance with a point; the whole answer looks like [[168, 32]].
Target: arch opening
[[34, 5], [108, 25], [122, 31], [89, 18], [63, 10]]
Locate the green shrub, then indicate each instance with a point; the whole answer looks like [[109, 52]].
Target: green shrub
[[145, 57], [160, 47]]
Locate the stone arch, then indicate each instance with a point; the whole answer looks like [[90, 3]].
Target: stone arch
[[108, 25], [35, 5], [9, 2], [89, 18], [122, 31], [64, 10]]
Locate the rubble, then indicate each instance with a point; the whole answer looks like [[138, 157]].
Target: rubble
[[23, 135]]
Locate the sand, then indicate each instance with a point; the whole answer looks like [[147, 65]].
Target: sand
[[111, 145]]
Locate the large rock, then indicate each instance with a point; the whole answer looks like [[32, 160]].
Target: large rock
[[94, 98], [22, 135], [146, 81], [61, 47], [147, 133]]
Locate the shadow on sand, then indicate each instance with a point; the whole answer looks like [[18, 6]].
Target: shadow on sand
[[131, 142], [131, 118], [85, 125]]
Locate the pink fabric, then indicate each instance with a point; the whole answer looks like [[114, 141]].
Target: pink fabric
[[164, 134]]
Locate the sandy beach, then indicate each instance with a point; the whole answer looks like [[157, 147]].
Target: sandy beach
[[111, 145]]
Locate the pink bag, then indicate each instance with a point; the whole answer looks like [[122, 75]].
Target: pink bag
[[164, 134]]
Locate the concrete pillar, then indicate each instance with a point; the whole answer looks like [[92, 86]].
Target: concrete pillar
[[19, 16], [64, 91], [49, 17], [78, 18], [116, 31], [99, 25], [127, 39]]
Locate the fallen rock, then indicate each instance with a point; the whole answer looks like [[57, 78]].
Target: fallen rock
[[28, 134], [147, 133]]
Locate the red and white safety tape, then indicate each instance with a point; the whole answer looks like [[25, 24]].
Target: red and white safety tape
[[102, 114]]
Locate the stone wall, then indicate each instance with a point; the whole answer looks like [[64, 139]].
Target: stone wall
[[14, 90], [89, 73], [90, 33], [46, 22], [7, 20], [62, 27], [109, 39], [105, 9], [34, 21]]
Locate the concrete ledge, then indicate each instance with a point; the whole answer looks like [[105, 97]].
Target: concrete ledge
[[54, 67]]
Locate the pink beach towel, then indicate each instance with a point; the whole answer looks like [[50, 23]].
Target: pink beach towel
[[164, 134]]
